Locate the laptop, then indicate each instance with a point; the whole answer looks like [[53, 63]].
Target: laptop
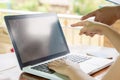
[[39, 39], [117, 2]]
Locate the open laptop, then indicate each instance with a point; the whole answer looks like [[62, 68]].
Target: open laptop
[[39, 39], [117, 2]]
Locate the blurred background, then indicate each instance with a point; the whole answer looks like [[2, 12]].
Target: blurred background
[[69, 11], [79, 7]]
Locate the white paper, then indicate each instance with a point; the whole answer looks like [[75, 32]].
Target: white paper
[[103, 52], [7, 61]]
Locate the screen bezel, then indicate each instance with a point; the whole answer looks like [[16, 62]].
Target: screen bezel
[[13, 17]]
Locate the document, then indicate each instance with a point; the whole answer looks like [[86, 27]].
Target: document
[[7, 61]]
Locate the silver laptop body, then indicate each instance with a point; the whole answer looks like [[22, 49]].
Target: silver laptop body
[[39, 39]]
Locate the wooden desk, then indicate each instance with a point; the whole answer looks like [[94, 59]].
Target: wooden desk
[[14, 73], [26, 76]]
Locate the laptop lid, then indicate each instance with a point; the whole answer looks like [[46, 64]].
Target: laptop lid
[[36, 37], [117, 2]]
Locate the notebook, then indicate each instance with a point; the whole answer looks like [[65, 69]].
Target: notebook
[[39, 39]]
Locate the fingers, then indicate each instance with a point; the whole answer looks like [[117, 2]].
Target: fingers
[[92, 34], [78, 24], [81, 24], [87, 32], [56, 63], [83, 31], [52, 65], [89, 15]]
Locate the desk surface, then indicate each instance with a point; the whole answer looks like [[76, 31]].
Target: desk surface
[[26, 76], [15, 73]]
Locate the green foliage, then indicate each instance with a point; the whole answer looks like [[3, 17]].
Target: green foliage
[[3, 5], [82, 7], [28, 5]]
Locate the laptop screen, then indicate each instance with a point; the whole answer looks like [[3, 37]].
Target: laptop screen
[[36, 37]]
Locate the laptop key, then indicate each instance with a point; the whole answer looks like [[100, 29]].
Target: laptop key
[[77, 58], [74, 58], [44, 68]]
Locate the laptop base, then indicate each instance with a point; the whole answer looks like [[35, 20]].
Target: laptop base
[[54, 76]]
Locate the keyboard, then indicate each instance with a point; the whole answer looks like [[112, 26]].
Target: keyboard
[[74, 58], [77, 58], [44, 68]]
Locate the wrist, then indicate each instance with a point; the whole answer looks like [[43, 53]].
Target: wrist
[[106, 30], [101, 28], [117, 8], [73, 74]]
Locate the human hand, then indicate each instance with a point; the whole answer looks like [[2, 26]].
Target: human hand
[[90, 28], [106, 15], [64, 67]]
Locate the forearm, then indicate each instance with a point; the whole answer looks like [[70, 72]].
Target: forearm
[[117, 11], [113, 36], [79, 75], [113, 72]]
